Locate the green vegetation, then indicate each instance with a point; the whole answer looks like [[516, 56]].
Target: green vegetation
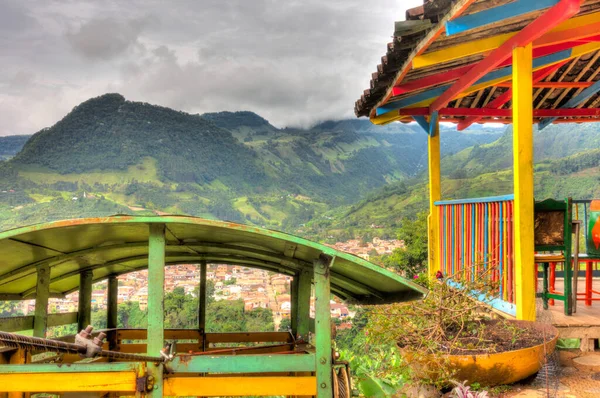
[[232, 166], [412, 260]]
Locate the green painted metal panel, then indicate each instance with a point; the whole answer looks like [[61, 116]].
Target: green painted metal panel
[[119, 244], [243, 364]]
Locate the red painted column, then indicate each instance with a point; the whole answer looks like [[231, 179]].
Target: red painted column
[[552, 278], [588, 281]]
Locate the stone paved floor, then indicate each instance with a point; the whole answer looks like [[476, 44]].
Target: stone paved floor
[[576, 381]]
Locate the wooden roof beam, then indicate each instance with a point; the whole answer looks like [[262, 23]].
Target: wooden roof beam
[[489, 112], [550, 19], [566, 31], [579, 76], [573, 102], [496, 14], [557, 85], [385, 114], [500, 101]]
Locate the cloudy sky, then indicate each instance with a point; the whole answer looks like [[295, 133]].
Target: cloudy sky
[[295, 62]]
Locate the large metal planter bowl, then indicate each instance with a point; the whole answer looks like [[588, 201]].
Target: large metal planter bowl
[[494, 369]]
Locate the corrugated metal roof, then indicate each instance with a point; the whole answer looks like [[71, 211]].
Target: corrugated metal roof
[[119, 244]]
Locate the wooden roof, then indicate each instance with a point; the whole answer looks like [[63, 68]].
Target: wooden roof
[[443, 40]]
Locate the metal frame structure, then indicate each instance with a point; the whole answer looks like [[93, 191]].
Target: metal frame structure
[[59, 257]]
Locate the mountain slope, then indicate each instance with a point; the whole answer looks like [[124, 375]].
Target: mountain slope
[[11, 145], [556, 141], [111, 155], [228, 165], [488, 172], [109, 133]]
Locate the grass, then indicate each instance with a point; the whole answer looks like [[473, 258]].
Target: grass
[[144, 172], [41, 198]]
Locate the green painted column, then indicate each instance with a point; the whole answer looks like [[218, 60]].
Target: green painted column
[[202, 298], [323, 326], [112, 310], [42, 293], [156, 283], [303, 312], [84, 317], [294, 304]]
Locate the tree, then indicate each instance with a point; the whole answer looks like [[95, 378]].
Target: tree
[[285, 325], [129, 315], [412, 260], [260, 320], [225, 316], [231, 281], [181, 309]]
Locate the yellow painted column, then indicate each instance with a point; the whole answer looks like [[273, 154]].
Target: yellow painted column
[[523, 181], [435, 189]]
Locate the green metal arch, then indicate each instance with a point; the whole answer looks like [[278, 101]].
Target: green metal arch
[[106, 245]]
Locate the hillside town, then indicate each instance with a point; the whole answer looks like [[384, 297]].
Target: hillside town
[[257, 288]]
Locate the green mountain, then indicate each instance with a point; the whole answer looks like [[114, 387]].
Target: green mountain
[[555, 141], [567, 163], [11, 145], [123, 156]]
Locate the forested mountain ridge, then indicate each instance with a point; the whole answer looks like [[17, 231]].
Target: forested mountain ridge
[[136, 157], [11, 145], [567, 163], [554, 142]]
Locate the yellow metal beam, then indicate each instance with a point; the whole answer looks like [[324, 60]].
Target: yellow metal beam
[[523, 182], [481, 46], [68, 382], [240, 386], [433, 152]]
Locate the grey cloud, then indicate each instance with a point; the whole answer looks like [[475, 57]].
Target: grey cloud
[[294, 62], [105, 38]]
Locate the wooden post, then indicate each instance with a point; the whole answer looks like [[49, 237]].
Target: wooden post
[[303, 303], [323, 326], [42, 293], [112, 310], [435, 189], [202, 299], [84, 317], [156, 321], [523, 182]]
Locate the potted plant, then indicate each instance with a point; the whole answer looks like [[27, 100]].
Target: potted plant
[[450, 336]]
